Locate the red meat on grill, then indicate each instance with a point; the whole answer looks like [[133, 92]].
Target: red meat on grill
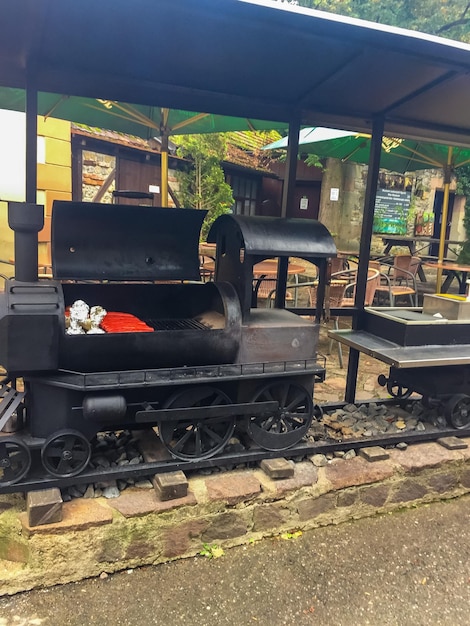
[[116, 322]]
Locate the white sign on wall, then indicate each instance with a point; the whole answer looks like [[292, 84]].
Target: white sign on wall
[[334, 194]]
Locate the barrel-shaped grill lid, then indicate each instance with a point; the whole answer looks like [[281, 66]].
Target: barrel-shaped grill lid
[[277, 236], [92, 241]]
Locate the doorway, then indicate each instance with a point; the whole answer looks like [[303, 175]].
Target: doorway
[[438, 201]]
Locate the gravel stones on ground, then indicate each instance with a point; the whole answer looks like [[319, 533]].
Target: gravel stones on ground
[[110, 449], [354, 421], [338, 424]]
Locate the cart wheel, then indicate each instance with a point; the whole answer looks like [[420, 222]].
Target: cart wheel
[[382, 380], [286, 426], [66, 453], [398, 391], [190, 440], [457, 410], [15, 460]]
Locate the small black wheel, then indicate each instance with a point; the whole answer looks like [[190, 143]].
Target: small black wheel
[[382, 380], [190, 440], [15, 460], [457, 410], [287, 425], [398, 391], [66, 453]]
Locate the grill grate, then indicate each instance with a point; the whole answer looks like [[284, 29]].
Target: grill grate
[[176, 324]]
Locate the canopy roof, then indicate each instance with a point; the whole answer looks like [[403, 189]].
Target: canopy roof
[[243, 58]]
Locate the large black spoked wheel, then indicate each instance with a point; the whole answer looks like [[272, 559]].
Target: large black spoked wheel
[[15, 460], [66, 453], [287, 425], [398, 391], [202, 438], [457, 411]]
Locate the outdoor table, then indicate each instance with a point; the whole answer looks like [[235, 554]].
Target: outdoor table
[[267, 270], [207, 249], [453, 270], [345, 254], [264, 270], [415, 245], [348, 255]]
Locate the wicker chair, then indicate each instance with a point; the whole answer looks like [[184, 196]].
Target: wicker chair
[[267, 289]]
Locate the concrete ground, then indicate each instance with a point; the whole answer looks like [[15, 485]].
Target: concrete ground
[[399, 569]]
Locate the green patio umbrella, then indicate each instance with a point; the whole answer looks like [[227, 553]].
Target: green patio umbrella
[[398, 155], [132, 119]]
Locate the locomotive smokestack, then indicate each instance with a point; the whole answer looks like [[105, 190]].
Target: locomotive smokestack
[[26, 220]]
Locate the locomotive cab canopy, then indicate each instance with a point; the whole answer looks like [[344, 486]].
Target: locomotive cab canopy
[[244, 241]]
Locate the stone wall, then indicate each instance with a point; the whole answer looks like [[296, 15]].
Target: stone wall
[[343, 217], [101, 536], [97, 167]]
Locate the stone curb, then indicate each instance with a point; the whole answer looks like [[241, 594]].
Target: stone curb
[[224, 509]]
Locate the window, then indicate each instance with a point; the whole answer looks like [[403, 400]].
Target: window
[[245, 193]]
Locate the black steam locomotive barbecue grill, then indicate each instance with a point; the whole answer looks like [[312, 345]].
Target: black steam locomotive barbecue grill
[[198, 360], [427, 349]]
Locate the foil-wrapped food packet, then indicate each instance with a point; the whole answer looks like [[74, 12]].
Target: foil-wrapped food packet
[[81, 319], [78, 315], [97, 315]]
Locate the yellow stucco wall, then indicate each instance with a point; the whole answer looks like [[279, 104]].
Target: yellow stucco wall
[[54, 177]]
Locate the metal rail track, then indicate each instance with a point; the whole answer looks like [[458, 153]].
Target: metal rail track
[[44, 481]]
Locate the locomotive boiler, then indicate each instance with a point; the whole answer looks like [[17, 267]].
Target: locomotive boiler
[[193, 360]]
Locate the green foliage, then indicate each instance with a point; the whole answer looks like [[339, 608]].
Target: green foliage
[[446, 18], [312, 160], [463, 188], [203, 185], [211, 551], [295, 534], [463, 180]]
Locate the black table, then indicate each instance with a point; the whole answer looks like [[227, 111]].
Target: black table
[[415, 245]]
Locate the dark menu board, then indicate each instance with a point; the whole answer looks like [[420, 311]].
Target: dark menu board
[[391, 211]]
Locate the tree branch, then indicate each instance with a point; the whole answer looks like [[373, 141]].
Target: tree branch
[[460, 22]]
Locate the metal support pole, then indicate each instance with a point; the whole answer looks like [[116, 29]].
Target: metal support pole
[[445, 211], [288, 192], [164, 159], [364, 249], [291, 166], [31, 144]]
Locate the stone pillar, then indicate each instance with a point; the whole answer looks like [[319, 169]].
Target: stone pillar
[[343, 217]]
